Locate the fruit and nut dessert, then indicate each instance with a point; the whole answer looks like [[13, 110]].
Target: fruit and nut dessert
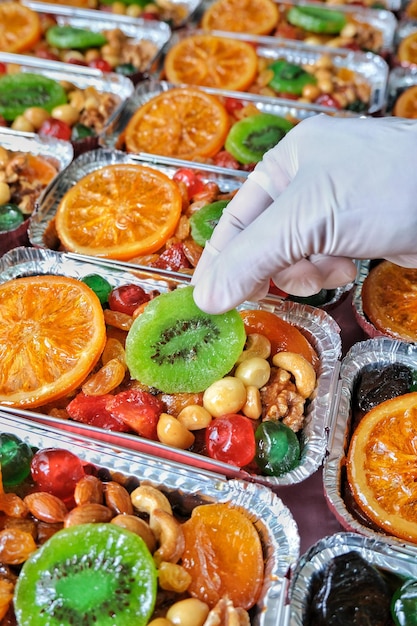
[[23, 177], [35, 103], [85, 544], [234, 387]]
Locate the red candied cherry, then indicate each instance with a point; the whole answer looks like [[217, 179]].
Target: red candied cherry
[[191, 180], [3, 68], [232, 105], [327, 100], [56, 128], [100, 64], [231, 439], [56, 471], [127, 298], [3, 122]]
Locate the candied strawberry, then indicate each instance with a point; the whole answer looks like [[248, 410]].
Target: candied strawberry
[[139, 409], [173, 259], [92, 410]]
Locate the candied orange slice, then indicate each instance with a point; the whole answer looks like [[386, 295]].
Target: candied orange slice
[[211, 61], [406, 104], [407, 50], [223, 554], [282, 335], [52, 333], [184, 122], [20, 27], [119, 211], [389, 300], [258, 17], [382, 466]]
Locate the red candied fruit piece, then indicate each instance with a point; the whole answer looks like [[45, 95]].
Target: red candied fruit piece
[[138, 409], [191, 180], [173, 259], [225, 159], [127, 298], [231, 439], [92, 410], [57, 471], [56, 128]]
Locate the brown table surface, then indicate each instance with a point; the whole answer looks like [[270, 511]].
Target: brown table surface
[[306, 500]]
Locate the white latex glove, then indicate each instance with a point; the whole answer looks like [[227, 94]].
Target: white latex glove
[[332, 190]]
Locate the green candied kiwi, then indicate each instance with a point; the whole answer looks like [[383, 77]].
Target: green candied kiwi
[[175, 347], [277, 448], [20, 91], [317, 20], [252, 136], [205, 220], [87, 574], [404, 604], [69, 37], [289, 77]]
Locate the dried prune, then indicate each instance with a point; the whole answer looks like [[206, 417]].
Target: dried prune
[[349, 591], [375, 385]]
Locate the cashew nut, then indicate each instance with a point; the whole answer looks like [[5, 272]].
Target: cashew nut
[[300, 368], [146, 499], [168, 532], [138, 526]]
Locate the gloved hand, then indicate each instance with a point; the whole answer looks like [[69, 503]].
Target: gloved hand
[[333, 190]]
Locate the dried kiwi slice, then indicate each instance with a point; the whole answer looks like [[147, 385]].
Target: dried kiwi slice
[[205, 220], [70, 37], [20, 91], [87, 574], [317, 20], [289, 78], [252, 136], [175, 347]]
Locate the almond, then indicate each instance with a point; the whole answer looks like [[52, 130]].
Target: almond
[[46, 507], [88, 489], [117, 498], [87, 514]]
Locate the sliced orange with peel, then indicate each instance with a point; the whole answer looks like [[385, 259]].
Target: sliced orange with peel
[[119, 211], [407, 50], [389, 300], [406, 103], [212, 61], [20, 27], [258, 17], [52, 333], [382, 466], [183, 122]]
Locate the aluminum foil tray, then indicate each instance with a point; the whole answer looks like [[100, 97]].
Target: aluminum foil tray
[[80, 77], [187, 489], [400, 78], [380, 19], [112, 136], [319, 328], [41, 221], [136, 29], [379, 351], [61, 152], [372, 67], [389, 559]]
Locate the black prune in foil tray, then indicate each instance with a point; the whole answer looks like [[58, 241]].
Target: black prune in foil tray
[[187, 488], [372, 353], [387, 559], [317, 325]]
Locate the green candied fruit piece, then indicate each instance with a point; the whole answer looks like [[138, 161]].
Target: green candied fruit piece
[[101, 287], [277, 448], [10, 217], [15, 459]]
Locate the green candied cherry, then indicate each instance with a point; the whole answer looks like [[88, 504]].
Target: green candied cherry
[[101, 287], [10, 217], [277, 448], [72, 38], [252, 136], [317, 20], [81, 131], [404, 604], [21, 91], [289, 77], [15, 459], [204, 221]]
